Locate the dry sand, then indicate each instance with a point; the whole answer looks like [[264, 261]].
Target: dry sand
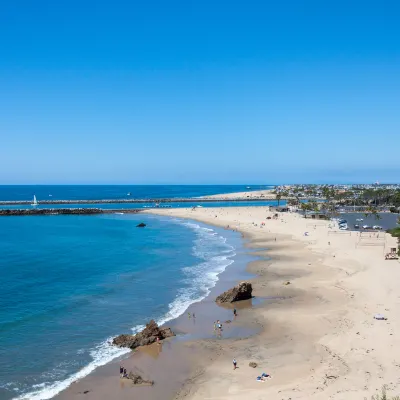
[[320, 339], [255, 194]]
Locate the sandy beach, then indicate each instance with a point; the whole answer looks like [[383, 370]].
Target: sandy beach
[[311, 325], [320, 339], [255, 194]]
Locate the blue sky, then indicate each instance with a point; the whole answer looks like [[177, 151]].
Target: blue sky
[[199, 92]]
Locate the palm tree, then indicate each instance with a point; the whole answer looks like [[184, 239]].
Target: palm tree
[[278, 197]]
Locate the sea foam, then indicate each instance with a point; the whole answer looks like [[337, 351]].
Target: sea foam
[[208, 246]]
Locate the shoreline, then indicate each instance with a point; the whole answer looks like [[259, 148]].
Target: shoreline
[[192, 339], [323, 340], [316, 336]]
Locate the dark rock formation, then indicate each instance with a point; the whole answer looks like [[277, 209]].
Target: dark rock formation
[[141, 225], [128, 201], [138, 380], [51, 211], [148, 336], [63, 211], [252, 364], [243, 291]]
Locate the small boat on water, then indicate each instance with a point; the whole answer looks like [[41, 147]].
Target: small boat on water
[[35, 202], [367, 227], [119, 213], [359, 220], [248, 187], [128, 194], [356, 226], [343, 227], [342, 221], [377, 227]]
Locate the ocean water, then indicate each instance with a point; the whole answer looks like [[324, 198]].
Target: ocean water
[[70, 283], [100, 192]]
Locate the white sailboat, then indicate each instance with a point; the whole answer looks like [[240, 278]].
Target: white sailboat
[[35, 203]]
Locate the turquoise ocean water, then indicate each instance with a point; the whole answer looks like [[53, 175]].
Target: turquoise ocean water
[[70, 283]]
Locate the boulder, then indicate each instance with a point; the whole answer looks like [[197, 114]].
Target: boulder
[[252, 364], [148, 336], [138, 380], [141, 225], [243, 291]]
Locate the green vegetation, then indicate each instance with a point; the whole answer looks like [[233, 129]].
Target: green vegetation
[[311, 205], [395, 232]]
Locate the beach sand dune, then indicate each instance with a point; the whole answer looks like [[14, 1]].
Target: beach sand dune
[[319, 338]]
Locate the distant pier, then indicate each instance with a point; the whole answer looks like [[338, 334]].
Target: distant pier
[[63, 211], [130, 201]]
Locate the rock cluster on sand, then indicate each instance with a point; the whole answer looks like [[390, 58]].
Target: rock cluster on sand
[[252, 364], [138, 380], [243, 291], [148, 336]]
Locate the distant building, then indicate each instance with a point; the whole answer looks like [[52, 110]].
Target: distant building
[[315, 215]]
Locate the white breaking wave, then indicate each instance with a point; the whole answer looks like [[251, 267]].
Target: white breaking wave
[[200, 278], [101, 354]]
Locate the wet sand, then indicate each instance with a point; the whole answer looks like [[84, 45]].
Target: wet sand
[[175, 362], [321, 340]]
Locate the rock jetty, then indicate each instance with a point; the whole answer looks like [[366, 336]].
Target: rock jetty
[[61, 211], [129, 201], [243, 291], [148, 336], [50, 211]]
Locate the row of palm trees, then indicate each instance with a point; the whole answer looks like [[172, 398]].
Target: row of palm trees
[[355, 197]]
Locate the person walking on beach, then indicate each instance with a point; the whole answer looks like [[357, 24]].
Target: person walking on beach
[[234, 364], [121, 371], [234, 312], [125, 374]]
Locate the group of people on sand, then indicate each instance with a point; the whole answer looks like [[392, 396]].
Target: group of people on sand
[[218, 324]]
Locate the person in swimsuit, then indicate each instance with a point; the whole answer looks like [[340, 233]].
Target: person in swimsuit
[[234, 363], [121, 371]]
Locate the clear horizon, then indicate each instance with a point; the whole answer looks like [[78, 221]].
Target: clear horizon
[[199, 93]]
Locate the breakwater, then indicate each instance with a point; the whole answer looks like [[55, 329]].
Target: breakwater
[[130, 201], [63, 211]]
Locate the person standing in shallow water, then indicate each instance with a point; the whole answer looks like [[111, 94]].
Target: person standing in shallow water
[[234, 312]]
